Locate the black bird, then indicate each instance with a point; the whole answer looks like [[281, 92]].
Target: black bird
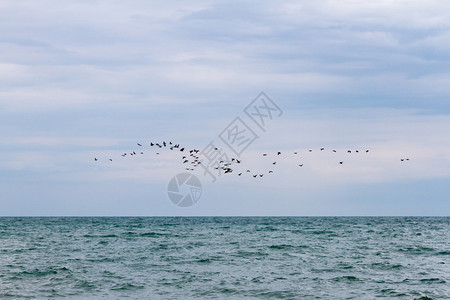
[[357, 151], [248, 171], [95, 159], [367, 151], [164, 143], [334, 151], [157, 153], [142, 152], [139, 145], [300, 165], [341, 162], [182, 149], [279, 152], [110, 159], [295, 152], [239, 174], [255, 176], [321, 149], [349, 151], [310, 150], [274, 162], [261, 175], [264, 154], [151, 144], [270, 171], [185, 161], [402, 159]]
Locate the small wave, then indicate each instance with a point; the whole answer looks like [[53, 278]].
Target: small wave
[[346, 278], [433, 280], [126, 287]]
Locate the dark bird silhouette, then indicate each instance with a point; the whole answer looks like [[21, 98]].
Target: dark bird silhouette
[[248, 171], [341, 162], [367, 151], [300, 165], [402, 159], [95, 159], [274, 162], [139, 145], [151, 144], [270, 171], [349, 151], [142, 152], [182, 149], [357, 151], [264, 154], [279, 152], [110, 159], [164, 143], [157, 153], [261, 175], [255, 176], [185, 161], [310, 150], [334, 151], [295, 152], [321, 149], [239, 174]]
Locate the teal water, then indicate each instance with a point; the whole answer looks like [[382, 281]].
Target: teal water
[[225, 258]]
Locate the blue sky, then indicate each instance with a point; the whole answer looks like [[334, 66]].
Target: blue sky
[[84, 79]]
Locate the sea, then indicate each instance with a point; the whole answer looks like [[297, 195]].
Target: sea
[[225, 258]]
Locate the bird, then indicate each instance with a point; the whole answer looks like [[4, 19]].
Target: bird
[[301, 165], [295, 152], [321, 149], [264, 154], [110, 159], [151, 144], [334, 151], [139, 145], [349, 151], [274, 162], [255, 176], [261, 175], [341, 162], [279, 152], [367, 151], [270, 171], [248, 171], [182, 149], [310, 150], [239, 174], [402, 159], [95, 159], [356, 151]]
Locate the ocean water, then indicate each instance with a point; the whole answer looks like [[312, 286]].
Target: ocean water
[[225, 258]]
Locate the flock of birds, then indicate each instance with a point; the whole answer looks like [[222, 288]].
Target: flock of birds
[[190, 158]]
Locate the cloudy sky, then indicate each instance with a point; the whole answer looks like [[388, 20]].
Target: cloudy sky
[[84, 79]]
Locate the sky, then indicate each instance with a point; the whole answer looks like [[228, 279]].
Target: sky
[[90, 79]]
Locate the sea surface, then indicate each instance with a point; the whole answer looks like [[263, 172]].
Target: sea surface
[[225, 258]]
